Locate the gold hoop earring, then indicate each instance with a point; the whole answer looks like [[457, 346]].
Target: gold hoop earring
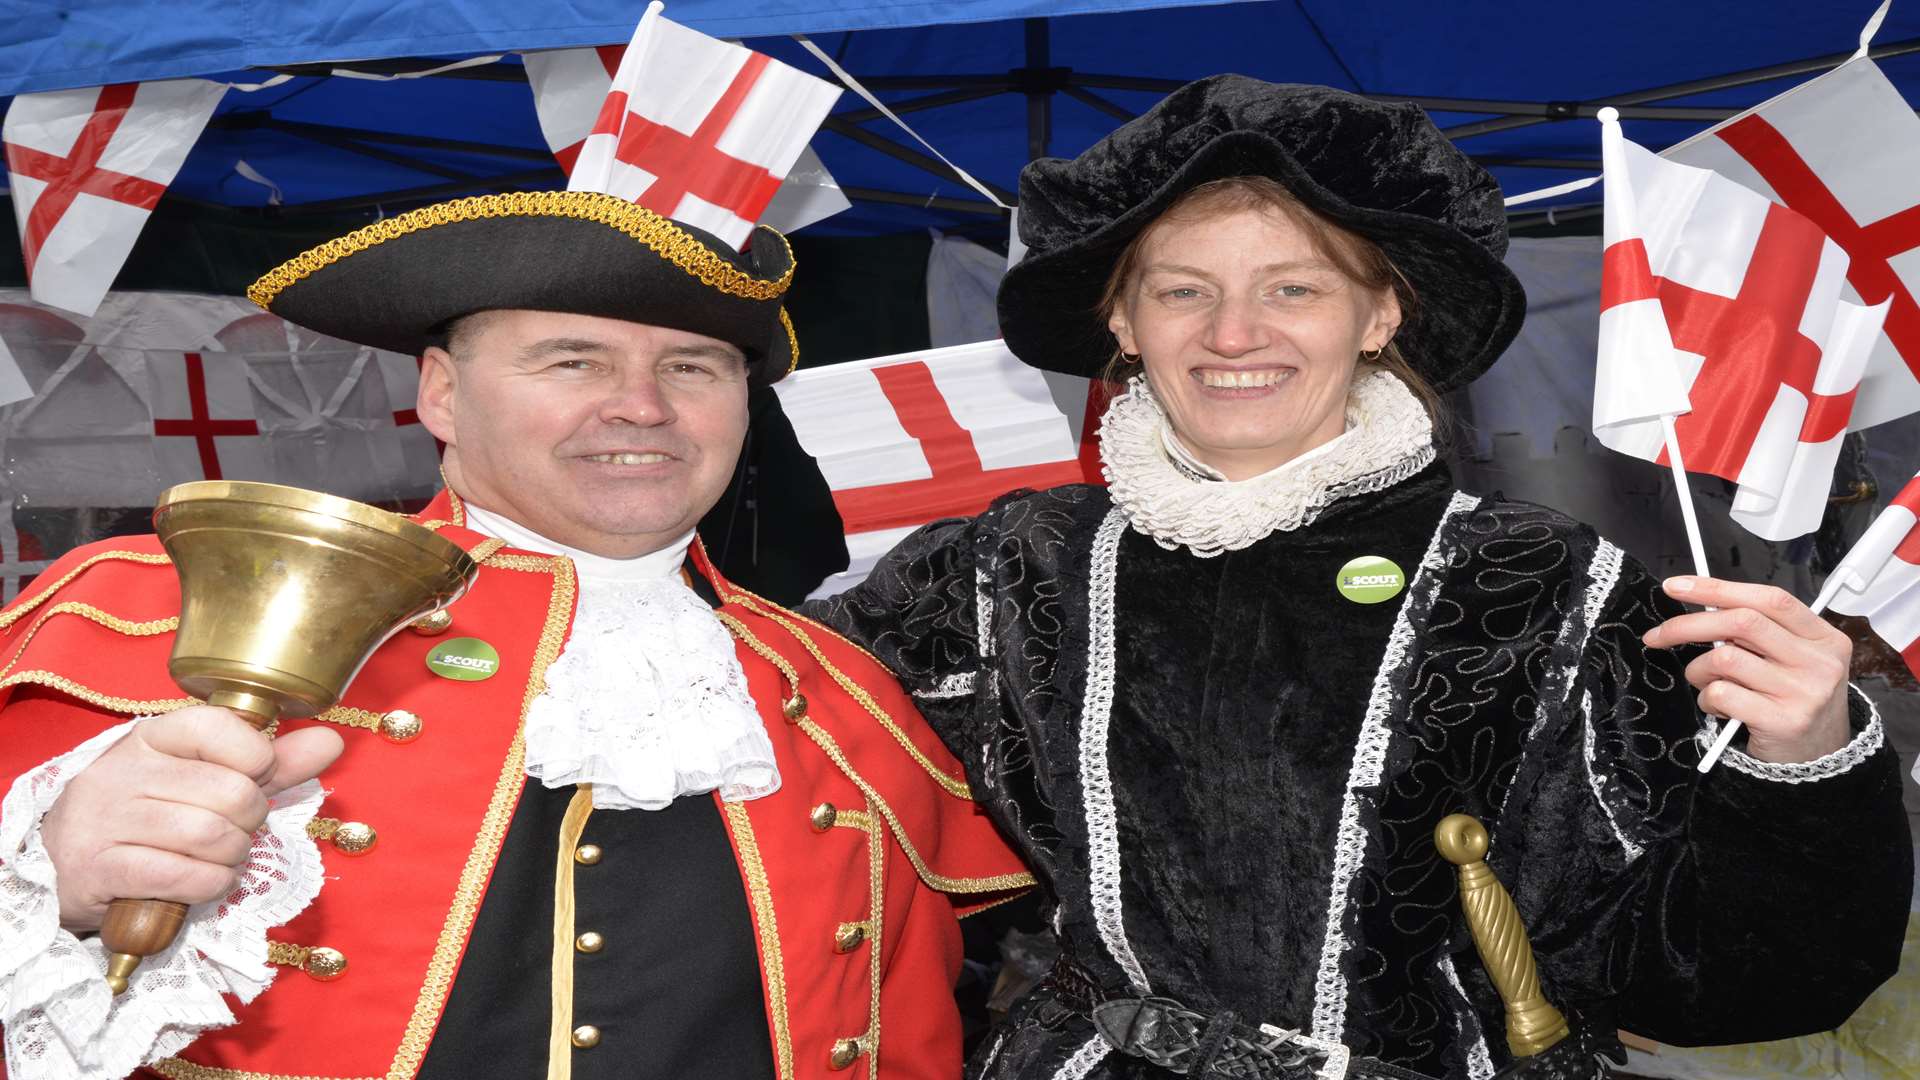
[[1371, 356]]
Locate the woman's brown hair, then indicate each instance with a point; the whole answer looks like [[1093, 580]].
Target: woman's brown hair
[[1355, 256]]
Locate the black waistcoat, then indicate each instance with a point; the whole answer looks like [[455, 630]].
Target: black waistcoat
[[675, 991]]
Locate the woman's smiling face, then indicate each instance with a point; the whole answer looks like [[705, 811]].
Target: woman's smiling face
[[1249, 334]]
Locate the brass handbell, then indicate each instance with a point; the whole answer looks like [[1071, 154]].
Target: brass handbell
[[284, 594], [1533, 1024]]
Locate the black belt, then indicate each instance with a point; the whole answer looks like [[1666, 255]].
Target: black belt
[[1220, 1045], [1183, 1041]]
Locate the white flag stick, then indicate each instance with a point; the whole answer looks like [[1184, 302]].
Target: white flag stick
[[1831, 589], [1699, 551], [1686, 497]]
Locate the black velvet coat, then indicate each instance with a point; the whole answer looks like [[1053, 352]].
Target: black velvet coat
[[1226, 775]]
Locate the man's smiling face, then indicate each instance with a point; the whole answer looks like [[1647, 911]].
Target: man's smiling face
[[609, 436]]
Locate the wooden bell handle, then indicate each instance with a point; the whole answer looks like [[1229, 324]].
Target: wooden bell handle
[[136, 929]]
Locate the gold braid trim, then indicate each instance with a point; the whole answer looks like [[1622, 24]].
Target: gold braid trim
[[793, 342], [493, 829], [288, 955], [19, 610], [953, 785], [876, 903], [176, 1069], [114, 622], [874, 801], [454, 500], [733, 594], [560, 1031], [991, 904], [853, 819], [129, 706], [537, 564], [473, 877], [658, 234], [770, 960], [348, 716], [92, 614], [938, 881]]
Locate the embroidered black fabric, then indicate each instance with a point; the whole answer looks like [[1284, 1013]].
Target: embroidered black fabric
[[1690, 909]]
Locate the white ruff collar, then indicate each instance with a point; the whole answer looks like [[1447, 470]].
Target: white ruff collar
[[1388, 439], [647, 701]]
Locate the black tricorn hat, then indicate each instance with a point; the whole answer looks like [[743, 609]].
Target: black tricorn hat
[[1379, 169], [397, 283]]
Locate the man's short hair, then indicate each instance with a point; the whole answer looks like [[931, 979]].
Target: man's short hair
[[456, 334]]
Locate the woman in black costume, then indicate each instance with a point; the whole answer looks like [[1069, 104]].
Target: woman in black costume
[[1222, 703]]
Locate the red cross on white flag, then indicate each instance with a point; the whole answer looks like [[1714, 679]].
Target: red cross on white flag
[[88, 166], [698, 129], [1844, 150], [1720, 305], [904, 440], [204, 426], [1880, 577]]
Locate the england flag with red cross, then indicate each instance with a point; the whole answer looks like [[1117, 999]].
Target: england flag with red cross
[[698, 129], [1880, 577], [907, 439], [87, 168], [1843, 150], [1724, 309]]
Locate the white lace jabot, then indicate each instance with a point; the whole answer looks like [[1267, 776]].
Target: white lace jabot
[[647, 701], [1180, 501]]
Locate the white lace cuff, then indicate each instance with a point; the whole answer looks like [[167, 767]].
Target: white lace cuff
[[1863, 746], [60, 1021]]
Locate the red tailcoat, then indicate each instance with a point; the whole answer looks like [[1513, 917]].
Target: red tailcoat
[[87, 646]]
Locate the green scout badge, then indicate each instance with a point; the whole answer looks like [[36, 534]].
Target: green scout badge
[[467, 659], [1370, 579]]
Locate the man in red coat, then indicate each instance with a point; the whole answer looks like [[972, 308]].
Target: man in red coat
[[741, 852]]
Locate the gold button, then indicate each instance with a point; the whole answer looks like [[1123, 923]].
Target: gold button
[[399, 726], [433, 624], [586, 1036], [848, 936], [589, 942], [821, 817], [325, 964], [587, 854], [795, 708], [845, 1052], [354, 838]]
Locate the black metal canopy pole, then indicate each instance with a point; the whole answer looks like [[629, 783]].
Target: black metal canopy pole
[[1032, 81], [929, 101], [1567, 110], [924, 162]]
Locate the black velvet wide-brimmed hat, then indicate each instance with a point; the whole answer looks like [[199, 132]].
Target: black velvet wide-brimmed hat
[[397, 283], [1379, 169]]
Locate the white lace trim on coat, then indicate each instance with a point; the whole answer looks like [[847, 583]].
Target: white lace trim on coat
[[1091, 1053], [1389, 438], [61, 1022], [647, 700], [1096, 781], [1858, 749], [1479, 1061], [1363, 776]]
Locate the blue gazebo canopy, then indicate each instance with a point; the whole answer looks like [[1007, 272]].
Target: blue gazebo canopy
[[989, 82]]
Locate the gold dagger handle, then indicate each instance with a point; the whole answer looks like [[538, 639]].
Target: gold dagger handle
[[1533, 1024]]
